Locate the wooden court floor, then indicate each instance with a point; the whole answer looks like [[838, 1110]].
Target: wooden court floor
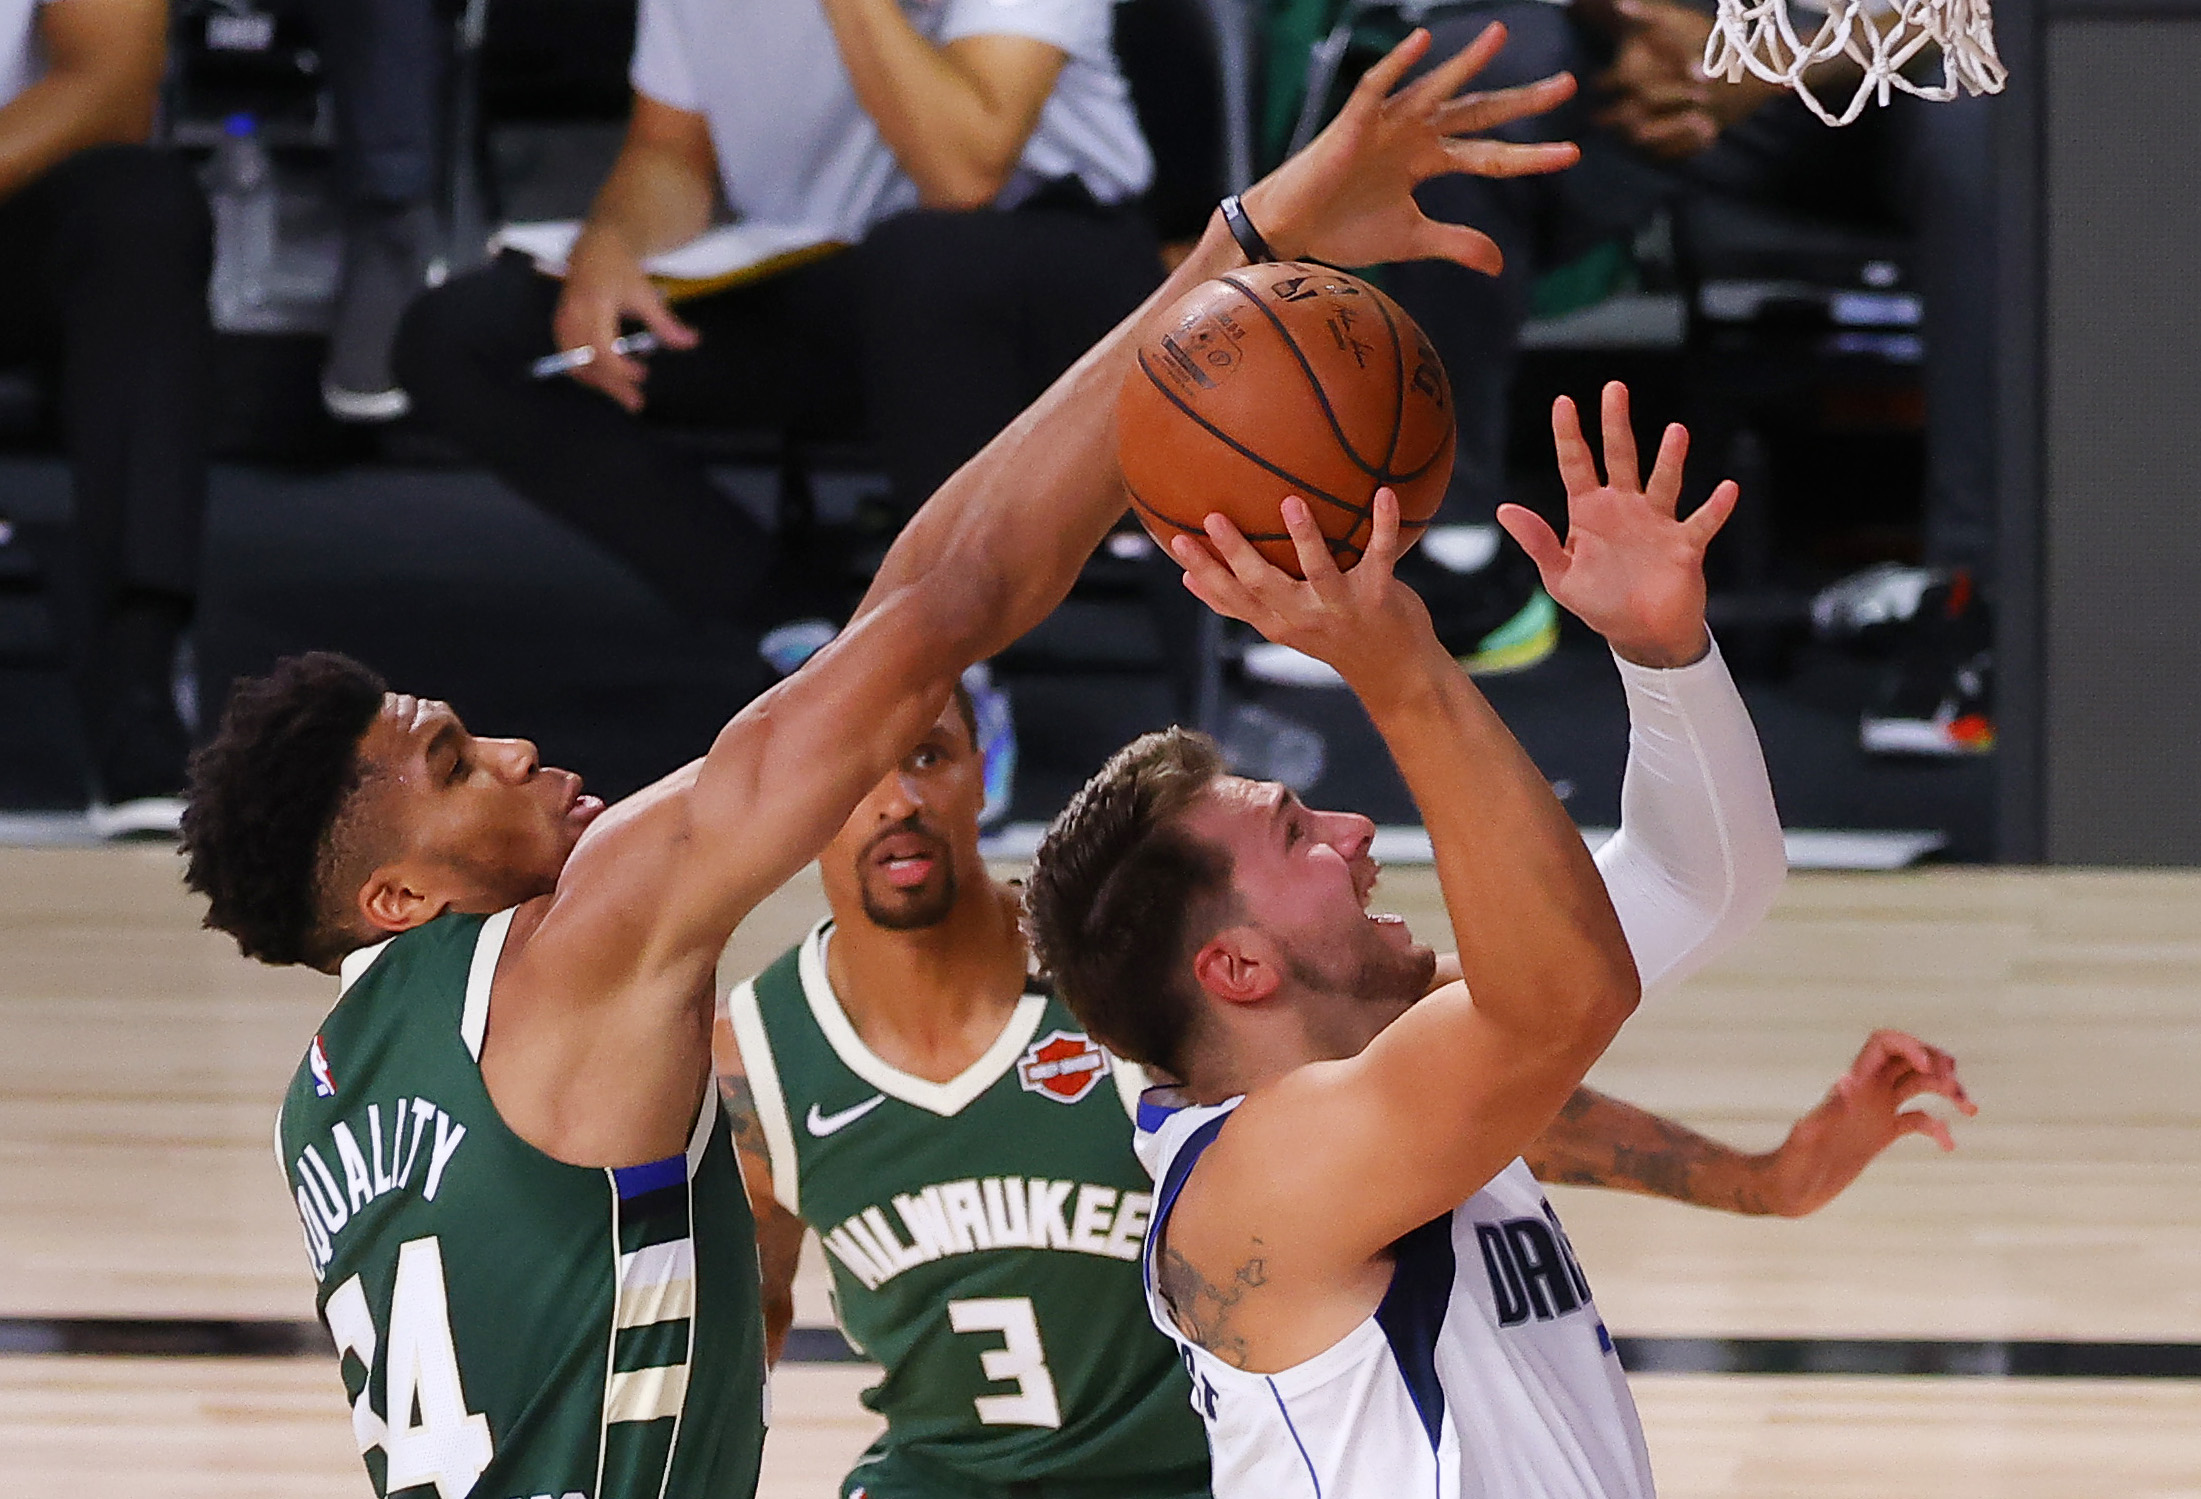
[[140, 1062]]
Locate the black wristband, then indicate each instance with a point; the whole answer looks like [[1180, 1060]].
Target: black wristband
[[1255, 248]]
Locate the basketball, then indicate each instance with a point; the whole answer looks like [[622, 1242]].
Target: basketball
[[1285, 379]]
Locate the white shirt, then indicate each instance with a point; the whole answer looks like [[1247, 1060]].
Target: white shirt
[[1487, 1373], [794, 145], [22, 59]]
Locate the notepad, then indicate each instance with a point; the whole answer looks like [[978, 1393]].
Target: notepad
[[729, 255]]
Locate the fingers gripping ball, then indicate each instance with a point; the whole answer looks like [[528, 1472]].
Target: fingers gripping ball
[[1278, 380]]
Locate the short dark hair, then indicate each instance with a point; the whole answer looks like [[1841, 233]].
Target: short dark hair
[[1120, 893], [266, 795]]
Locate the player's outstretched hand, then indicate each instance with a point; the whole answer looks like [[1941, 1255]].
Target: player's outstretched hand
[[1348, 198], [1861, 1116], [1364, 623], [1629, 569]]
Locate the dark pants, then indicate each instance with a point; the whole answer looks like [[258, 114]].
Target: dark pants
[[103, 272], [387, 60], [929, 337], [1922, 165]]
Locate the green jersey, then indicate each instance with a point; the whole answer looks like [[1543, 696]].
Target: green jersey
[[510, 1326], [984, 1239]]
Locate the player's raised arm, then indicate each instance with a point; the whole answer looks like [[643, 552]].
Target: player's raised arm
[[1699, 856], [1458, 1084], [1000, 544]]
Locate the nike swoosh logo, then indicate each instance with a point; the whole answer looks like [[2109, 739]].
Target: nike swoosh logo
[[821, 1125]]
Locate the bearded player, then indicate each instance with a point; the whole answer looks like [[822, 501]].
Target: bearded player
[[899, 1080], [530, 1235], [1372, 1295]]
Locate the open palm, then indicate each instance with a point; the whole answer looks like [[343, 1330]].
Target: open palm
[[1348, 198], [1629, 568]]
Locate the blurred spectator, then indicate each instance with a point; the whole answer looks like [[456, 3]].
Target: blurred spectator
[[104, 253], [1650, 127], [387, 64], [981, 158]]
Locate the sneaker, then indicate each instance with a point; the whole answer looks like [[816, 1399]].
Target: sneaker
[[140, 817], [139, 743], [1520, 643], [1938, 698], [138, 791], [1946, 718], [1870, 607], [386, 256], [1484, 598], [786, 647]]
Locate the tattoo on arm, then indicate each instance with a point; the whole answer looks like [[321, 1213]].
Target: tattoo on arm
[[1601, 1142], [1203, 1308], [739, 1101]]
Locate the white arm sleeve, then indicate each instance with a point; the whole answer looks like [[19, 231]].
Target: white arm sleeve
[[1699, 858]]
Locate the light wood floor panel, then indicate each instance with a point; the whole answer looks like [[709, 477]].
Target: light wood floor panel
[[1820, 1437], [108, 1428], [273, 1429], [143, 1061]]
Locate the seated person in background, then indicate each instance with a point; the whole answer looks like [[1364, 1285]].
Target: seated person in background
[[105, 248], [1650, 127], [981, 158], [901, 1082]]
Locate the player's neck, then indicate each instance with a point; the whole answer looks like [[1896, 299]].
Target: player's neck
[[1261, 1047], [930, 1002]]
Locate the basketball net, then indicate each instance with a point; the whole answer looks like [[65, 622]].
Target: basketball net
[[1761, 36]]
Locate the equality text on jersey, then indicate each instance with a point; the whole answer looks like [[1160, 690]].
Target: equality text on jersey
[[387, 1162]]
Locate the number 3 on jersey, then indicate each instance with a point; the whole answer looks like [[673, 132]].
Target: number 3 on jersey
[[448, 1445], [1020, 1358]]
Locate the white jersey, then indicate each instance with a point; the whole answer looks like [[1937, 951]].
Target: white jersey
[[1485, 1373]]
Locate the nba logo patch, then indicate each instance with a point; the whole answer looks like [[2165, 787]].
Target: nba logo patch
[[1062, 1065], [317, 1062]]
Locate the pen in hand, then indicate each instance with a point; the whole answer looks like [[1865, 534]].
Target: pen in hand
[[566, 361]]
